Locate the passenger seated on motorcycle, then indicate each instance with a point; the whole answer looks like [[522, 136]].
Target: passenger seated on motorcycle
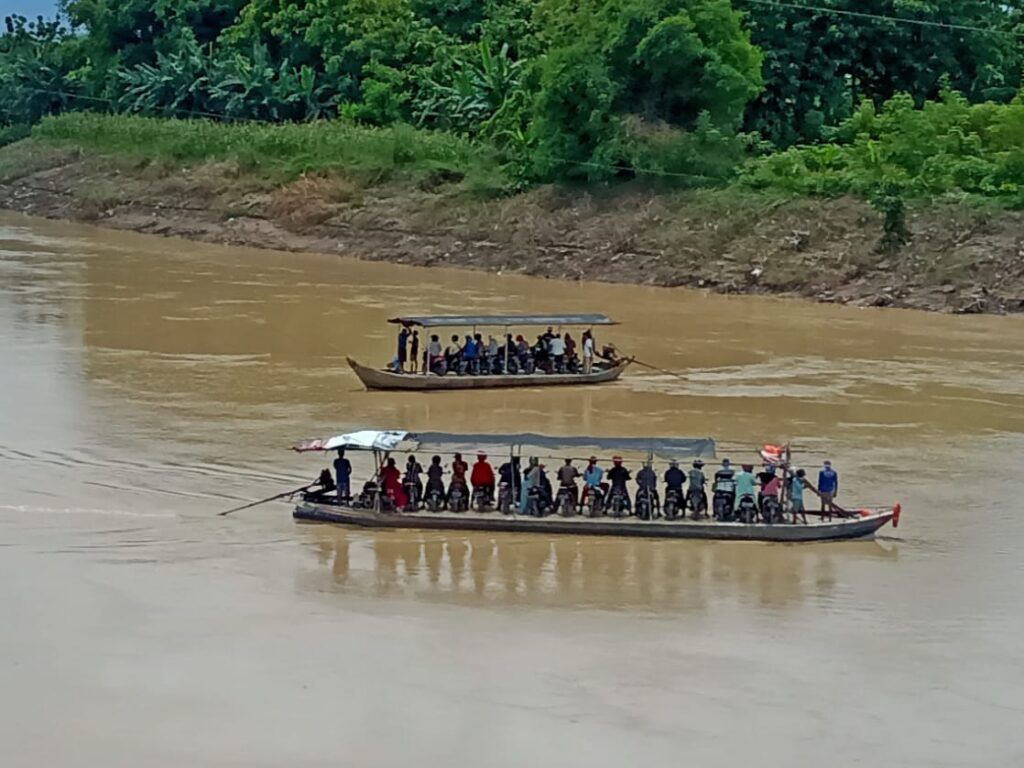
[[618, 476], [764, 477], [459, 469], [413, 470], [647, 479], [725, 478], [567, 475], [453, 355], [482, 476], [771, 485], [546, 493], [572, 361], [434, 482], [674, 479], [746, 483], [592, 477], [510, 475], [541, 355], [697, 483]]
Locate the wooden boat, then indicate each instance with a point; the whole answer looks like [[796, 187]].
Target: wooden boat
[[373, 378], [603, 371], [863, 526], [321, 507]]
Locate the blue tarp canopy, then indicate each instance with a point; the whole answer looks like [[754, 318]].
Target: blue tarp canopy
[[669, 447], [503, 321]]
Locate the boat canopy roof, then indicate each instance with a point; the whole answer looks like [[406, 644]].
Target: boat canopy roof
[[391, 440], [363, 440], [463, 321], [662, 446]]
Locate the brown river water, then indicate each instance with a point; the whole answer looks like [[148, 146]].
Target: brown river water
[[148, 384]]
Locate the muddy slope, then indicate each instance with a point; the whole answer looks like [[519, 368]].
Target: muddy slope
[[961, 258]]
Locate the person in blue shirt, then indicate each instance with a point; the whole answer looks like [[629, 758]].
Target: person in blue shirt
[[343, 472], [592, 477], [470, 353], [828, 489]]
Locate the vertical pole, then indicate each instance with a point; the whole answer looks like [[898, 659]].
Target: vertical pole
[[505, 340]]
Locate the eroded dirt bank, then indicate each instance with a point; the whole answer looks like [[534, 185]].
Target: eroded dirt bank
[[961, 258]]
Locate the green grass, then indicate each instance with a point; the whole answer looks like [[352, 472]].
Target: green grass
[[282, 152]]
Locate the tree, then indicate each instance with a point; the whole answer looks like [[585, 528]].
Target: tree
[[819, 65]]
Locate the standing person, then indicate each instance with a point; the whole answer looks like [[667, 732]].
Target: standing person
[[570, 351], [797, 483], [567, 475], [414, 351], [434, 355], [403, 349], [828, 489], [470, 352], [482, 477], [530, 480], [588, 352], [343, 473], [556, 345]]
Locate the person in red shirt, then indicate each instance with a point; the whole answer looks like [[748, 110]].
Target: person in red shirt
[[391, 484], [482, 476]]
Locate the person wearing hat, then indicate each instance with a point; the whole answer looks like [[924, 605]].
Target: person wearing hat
[[675, 478], [698, 496], [828, 489], [647, 480], [592, 476], [618, 476], [482, 477]]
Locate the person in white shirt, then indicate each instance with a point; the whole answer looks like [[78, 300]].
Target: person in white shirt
[[588, 352], [557, 349]]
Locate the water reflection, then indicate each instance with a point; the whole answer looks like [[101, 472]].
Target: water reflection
[[564, 571]]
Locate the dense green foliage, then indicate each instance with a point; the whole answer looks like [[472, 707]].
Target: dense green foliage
[[947, 147], [693, 91]]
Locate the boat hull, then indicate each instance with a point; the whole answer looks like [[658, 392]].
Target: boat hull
[[373, 378], [838, 530]]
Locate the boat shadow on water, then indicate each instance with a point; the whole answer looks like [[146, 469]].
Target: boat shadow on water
[[484, 568]]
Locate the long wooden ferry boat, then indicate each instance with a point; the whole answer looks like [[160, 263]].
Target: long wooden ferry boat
[[385, 379], [316, 506], [864, 525]]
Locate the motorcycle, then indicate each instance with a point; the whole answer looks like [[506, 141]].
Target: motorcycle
[[565, 501], [746, 509], [722, 504], [771, 510], [646, 509], [412, 491], [698, 503], [367, 498], [618, 502], [458, 501], [535, 506], [434, 500], [481, 499], [673, 504], [506, 499], [593, 505]]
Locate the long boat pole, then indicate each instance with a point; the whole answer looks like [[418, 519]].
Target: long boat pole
[[264, 501]]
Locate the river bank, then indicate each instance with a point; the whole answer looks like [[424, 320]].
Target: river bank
[[962, 258]]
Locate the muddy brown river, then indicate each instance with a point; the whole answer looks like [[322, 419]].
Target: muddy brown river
[[148, 384]]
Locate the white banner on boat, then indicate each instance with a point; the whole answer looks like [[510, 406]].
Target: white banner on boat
[[363, 440]]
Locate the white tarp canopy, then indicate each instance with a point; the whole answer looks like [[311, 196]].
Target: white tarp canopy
[[363, 440]]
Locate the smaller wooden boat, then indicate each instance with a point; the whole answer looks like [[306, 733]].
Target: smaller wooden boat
[[604, 370], [373, 378], [863, 526]]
